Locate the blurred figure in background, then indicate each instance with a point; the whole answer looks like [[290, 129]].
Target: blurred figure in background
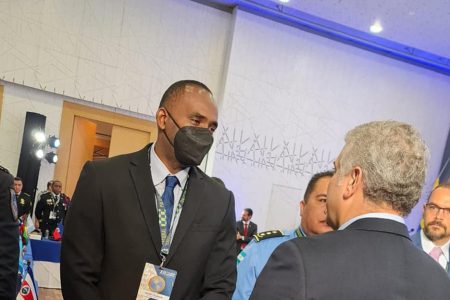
[[313, 214], [9, 232], [434, 239]]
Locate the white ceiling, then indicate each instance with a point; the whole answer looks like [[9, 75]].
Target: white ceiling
[[422, 24]]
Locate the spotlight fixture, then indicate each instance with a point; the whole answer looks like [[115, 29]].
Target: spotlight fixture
[[376, 27], [51, 157], [54, 142], [39, 153], [39, 136]]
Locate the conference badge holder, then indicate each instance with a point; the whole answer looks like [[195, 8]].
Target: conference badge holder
[[156, 283]]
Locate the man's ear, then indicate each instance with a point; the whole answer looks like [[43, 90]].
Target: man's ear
[[354, 182], [302, 207], [161, 118]]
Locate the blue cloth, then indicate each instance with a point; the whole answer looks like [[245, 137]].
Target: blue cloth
[[45, 250], [168, 199], [254, 258], [418, 243]]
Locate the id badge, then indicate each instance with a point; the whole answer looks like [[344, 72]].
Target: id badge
[[52, 215], [156, 283]]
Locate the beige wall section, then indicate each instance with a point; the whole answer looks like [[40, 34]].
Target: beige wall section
[[126, 140], [69, 112], [81, 150], [1, 101]]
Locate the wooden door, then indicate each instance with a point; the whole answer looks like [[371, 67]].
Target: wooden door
[[81, 151], [127, 140]]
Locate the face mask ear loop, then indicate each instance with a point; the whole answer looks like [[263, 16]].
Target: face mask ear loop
[[164, 130], [170, 115]]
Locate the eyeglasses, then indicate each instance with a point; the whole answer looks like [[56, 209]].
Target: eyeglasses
[[434, 209]]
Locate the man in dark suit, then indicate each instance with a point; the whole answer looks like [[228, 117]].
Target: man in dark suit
[[434, 239], [23, 199], [379, 177], [123, 206], [9, 235], [246, 229]]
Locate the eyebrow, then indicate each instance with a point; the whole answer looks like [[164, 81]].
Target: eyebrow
[[321, 195]]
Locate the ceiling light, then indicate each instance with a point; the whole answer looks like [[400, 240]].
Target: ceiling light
[[376, 27], [51, 157], [39, 153], [39, 136], [284, 1], [54, 142]]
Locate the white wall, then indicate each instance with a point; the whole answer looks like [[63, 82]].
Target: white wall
[[291, 96], [288, 96], [17, 101], [122, 53]]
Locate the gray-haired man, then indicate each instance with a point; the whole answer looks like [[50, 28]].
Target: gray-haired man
[[378, 180]]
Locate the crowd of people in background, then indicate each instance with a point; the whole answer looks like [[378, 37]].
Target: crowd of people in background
[[50, 209]]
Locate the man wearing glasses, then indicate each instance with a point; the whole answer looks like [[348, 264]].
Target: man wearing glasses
[[434, 239]]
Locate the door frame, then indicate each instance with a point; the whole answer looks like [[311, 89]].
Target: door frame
[[71, 110]]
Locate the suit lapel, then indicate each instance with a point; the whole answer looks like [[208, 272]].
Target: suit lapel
[[145, 189], [194, 195]]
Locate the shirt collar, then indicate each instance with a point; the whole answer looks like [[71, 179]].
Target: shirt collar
[[160, 172], [373, 215], [428, 245]]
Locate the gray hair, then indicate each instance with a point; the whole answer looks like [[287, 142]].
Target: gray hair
[[393, 159]]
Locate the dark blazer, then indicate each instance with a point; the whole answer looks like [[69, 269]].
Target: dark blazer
[[9, 240], [111, 230], [417, 241], [252, 230], [371, 259]]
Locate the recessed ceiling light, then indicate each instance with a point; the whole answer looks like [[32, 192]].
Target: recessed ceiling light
[[376, 27], [284, 1]]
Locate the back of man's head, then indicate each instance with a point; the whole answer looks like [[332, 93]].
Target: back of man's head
[[393, 159]]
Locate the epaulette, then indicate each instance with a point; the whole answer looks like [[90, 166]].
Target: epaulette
[[267, 235]]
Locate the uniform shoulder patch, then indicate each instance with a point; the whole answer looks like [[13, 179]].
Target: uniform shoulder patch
[[268, 234]]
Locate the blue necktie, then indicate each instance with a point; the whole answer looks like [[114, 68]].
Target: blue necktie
[[168, 199]]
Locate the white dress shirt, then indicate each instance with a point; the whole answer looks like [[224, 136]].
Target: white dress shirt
[[428, 245], [159, 172]]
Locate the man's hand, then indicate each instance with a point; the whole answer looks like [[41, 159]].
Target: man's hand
[[238, 236]]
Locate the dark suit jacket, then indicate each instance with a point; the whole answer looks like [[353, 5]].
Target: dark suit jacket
[[9, 240], [417, 241], [252, 230], [372, 259], [111, 230]]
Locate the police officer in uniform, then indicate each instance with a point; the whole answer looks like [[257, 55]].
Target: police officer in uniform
[[313, 214], [23, 199], [51, 208], [9, 232]]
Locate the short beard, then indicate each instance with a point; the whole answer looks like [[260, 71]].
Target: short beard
[[433, 236]]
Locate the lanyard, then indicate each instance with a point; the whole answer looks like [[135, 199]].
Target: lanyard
[[167, 238]]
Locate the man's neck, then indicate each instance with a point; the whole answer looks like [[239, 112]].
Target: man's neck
[[167, 161], [366, 208]]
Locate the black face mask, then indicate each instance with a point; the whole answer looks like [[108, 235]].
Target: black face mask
[[190, 143]]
